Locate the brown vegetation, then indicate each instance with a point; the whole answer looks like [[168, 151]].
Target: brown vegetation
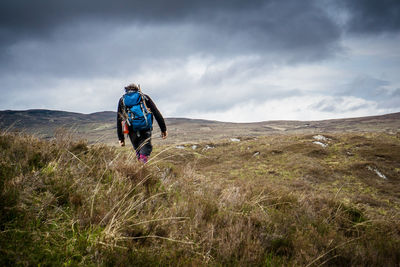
[[277, 200], [101, 126]]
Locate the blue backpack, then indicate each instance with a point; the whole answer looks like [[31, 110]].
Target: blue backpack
[[139, 117]]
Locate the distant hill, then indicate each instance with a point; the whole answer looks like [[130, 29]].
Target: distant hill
[[101, 126]]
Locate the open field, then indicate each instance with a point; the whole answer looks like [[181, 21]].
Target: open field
[[294, 200], [101, 127]]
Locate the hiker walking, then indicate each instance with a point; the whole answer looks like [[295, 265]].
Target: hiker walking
[[135, 117]]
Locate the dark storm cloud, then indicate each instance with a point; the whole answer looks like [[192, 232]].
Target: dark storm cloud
[[78, 39], [373, 16], [245, 24], [296, 31], [26, 18]]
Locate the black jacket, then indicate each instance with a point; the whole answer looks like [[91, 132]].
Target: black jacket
[[150, 105]]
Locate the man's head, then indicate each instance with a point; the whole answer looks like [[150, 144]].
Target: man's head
[[131, 87]]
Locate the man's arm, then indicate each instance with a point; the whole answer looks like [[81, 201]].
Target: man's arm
[[121, 136], [157, 115]]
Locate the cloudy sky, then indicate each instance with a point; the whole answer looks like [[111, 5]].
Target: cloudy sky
[[229, 60]]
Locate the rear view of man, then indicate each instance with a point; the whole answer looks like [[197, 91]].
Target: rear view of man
[[136, 112]]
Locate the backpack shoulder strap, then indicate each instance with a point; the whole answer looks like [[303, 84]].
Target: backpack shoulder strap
[[143, 99]]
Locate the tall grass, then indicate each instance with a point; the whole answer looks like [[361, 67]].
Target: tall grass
[[63, 202], [66, 203]]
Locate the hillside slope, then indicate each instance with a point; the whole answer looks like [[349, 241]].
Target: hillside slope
[[101, 126]]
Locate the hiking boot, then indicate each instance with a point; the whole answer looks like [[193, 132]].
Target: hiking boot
[[143, 158]]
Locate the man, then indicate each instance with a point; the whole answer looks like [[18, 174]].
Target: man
[[141, 139]]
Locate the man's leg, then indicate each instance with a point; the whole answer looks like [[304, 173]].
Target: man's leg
[[135, 142], [145, 146]]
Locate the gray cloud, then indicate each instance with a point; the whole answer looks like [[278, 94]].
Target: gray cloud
[[396, 92], [365, 88], [368, 88], [225, 99], [44, 15], [372, 16], [338, 105], [89, 39], [221, 26]]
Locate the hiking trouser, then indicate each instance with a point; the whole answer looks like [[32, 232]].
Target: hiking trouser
[[141, 141]]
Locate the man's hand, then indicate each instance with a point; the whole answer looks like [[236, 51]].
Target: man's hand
[[121, 143], [164, 135]]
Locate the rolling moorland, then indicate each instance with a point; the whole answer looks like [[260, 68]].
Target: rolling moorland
[[100, 127], [322, 193]]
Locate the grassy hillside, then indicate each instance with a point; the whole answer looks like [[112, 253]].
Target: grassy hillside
[[101, 126], [276, 200]]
